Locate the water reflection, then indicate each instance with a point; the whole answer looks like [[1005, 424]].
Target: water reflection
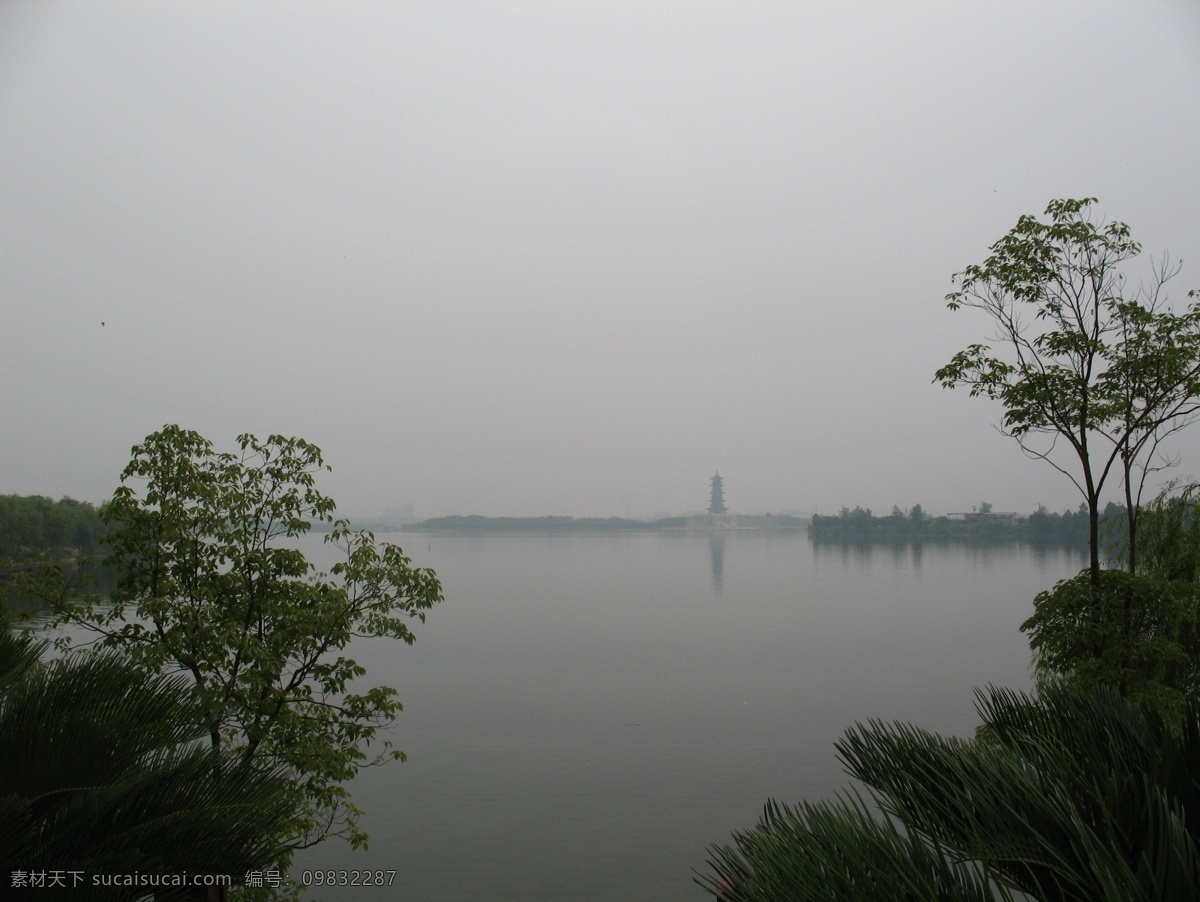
[[84, 576], [716, 552], [910, 553]]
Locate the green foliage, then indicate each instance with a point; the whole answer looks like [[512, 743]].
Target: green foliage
[[1106, 374], [1169, 534], [839, 850], [1136, 634], [32, 525], [1077, 794], [100, 773], [209, 584]]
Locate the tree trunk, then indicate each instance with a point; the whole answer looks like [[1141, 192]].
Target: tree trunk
[[1094, 539]]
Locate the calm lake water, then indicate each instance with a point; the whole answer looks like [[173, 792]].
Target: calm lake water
[[585, 714]]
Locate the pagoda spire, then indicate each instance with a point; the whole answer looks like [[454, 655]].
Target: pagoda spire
[[716, 502]]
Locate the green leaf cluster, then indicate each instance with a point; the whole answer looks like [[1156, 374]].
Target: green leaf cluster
[[1169, 534], [209, 581], [1136, 634]]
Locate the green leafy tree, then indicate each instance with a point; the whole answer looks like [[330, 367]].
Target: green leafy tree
[[210, 583], [1084, 362], [1155, 378], [101, 773], [1138, 634], [1074, 794]]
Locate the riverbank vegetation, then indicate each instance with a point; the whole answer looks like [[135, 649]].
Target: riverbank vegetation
[[981, 524], [31, 525], [214, 610]]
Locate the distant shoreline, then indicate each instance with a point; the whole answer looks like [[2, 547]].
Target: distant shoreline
[[852, 527], [700, 523]]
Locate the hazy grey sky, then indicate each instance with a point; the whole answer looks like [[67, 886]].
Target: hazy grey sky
[[558, 258]]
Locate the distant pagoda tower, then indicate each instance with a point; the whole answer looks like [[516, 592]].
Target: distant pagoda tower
[[716, 503]]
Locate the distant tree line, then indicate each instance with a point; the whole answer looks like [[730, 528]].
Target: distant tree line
[[476, 523], [980, 524], [32, 525]]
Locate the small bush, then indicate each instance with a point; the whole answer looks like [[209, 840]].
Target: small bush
[[1137, 634]]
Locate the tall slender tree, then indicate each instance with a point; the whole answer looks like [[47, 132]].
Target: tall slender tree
[[1081, 356]]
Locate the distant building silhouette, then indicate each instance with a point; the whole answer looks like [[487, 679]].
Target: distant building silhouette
[[716, 502]]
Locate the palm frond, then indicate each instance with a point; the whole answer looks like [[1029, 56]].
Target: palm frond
[[839, 850], [1074, 794], [102, 770]]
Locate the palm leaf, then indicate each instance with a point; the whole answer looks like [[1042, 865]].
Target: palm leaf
[[1073, 794], [102, 770]]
